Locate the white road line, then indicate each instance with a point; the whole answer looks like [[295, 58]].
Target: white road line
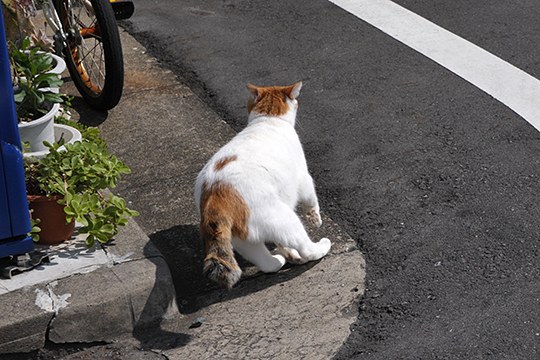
[[505, 82]]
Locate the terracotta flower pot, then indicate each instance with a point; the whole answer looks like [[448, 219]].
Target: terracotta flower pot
[[54, 228]]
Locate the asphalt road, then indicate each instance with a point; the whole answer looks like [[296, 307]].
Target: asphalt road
[[435, 180]]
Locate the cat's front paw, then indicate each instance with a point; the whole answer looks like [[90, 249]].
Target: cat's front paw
[[314, 217]]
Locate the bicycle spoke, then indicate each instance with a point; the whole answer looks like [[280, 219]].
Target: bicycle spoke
[[94, 65], [90, 54]]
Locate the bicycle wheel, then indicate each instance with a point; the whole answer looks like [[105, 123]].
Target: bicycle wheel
[[93, 53]]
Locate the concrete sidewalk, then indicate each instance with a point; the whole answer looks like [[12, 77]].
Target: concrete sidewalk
[[165, 134], [86, 296]]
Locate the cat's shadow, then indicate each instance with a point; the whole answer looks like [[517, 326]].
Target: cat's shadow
[[183, 251]]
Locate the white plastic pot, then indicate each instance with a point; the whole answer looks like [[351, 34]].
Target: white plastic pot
[[68, 133], [37, 131], [59, 65], [59, 68]]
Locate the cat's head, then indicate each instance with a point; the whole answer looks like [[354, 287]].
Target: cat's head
[[275, 101]]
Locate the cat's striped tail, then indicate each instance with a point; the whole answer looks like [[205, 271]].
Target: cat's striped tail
[[223, 215]]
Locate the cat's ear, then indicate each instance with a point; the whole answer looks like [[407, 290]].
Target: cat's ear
[[253, 91], [294, 90]]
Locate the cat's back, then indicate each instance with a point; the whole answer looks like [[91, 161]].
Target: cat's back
[[267, 145], [264, 158]]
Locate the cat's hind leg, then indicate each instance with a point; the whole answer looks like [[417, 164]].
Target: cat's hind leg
[[286, 229], [259, 255], [309, 201]]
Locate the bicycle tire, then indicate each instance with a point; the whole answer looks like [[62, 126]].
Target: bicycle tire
[[100, 82]]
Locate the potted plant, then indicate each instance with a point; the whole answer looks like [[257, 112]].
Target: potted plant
[[36, 94], [75, 180]]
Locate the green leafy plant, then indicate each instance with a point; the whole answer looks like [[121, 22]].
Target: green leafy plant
[[35, 229], [81, 173], [32, 80]]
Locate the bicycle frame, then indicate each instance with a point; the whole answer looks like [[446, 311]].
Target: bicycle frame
[[123, 9], [60, 36]]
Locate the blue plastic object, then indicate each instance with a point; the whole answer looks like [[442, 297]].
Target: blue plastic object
[[14, 214]]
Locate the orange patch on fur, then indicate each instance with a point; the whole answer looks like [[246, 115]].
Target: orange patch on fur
[[223, 213], [270, 100], [223, 162]]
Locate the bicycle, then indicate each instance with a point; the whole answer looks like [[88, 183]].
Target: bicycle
[[86, 34]]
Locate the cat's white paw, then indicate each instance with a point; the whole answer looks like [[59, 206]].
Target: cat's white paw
[[325, 245], [318, 250], [314, 217], [274, 266]]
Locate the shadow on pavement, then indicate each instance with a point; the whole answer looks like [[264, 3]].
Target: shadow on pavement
[[159, 305], [183, 251], [88, 116]]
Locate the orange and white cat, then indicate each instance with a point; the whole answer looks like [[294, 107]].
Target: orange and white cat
[[248, 192]]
